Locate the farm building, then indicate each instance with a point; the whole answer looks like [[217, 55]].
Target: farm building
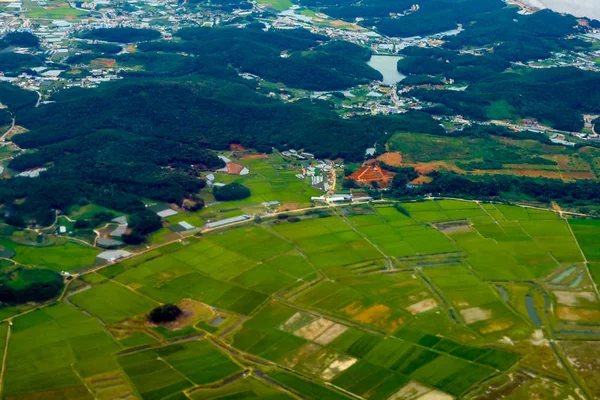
[[232, 168], [113, 255], [227, 221], [120, 220], [119, 231], [106, 242]]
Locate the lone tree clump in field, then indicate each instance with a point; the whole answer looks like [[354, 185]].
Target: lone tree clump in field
[[165, 313], [233, 191]]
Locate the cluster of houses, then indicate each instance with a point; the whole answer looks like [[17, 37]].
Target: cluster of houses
[[320, 172]]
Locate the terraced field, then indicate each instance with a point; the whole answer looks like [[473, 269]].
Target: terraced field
[[426, 300]]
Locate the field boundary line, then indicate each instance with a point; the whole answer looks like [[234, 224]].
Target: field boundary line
[[82, 381], [4, 357]]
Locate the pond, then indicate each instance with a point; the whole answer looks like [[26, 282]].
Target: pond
[[387, 66], [531, 310]]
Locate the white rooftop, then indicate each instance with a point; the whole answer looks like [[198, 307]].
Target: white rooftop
[[166, 213]]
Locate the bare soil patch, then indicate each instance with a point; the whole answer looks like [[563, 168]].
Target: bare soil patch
[[578, 314], [422, 306], [331, 333], [254, 157], [495, 327], [435, 395], [314, 329], [104, 62], [379, 316], [579, 175], [338, 366], [475, 314], [309, 350], [393, 158], [573, 298], [427, 167], [411, 390], [236, 147]]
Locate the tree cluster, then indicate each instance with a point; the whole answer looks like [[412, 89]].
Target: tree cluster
[[232, 191], [34, 285], [20, 39], [165, 313]]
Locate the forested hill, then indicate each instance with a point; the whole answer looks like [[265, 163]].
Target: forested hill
[[405, 18], [204, 112], [111, 144], [295, 57], [498, 84]]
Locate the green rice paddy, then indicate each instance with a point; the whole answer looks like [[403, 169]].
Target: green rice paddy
[[364, 301]]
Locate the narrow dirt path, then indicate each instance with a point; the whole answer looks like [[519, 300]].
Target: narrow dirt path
[[4, 357]]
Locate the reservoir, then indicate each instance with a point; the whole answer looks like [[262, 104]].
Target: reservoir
[[387, 66]]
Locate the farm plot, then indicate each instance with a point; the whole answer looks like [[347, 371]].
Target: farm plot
[[245, 388], [161, 372], [346, 302], [402, 240], [330, 244], [387, 364], [51, 350], [63, 256], [262, 334], [401, 290], [443, 210], [587, 233], [214, 260], [555, 237], [305, 388], [497, 257], [477, 303], [253, 242], [207, 290], [582, 356], [112, 302], [153, 272]]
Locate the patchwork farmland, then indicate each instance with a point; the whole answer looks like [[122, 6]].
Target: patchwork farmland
[[425, 300]]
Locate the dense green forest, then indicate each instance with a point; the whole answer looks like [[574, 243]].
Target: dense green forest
[[15, 63], [558, 96], [460, 67], [297, 57], [310, 61], [517, 37], [23, 285], [505, 186], [19, 39], [432, 16], [16, 98]]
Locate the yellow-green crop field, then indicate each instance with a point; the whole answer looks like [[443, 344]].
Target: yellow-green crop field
[[435, 299]]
